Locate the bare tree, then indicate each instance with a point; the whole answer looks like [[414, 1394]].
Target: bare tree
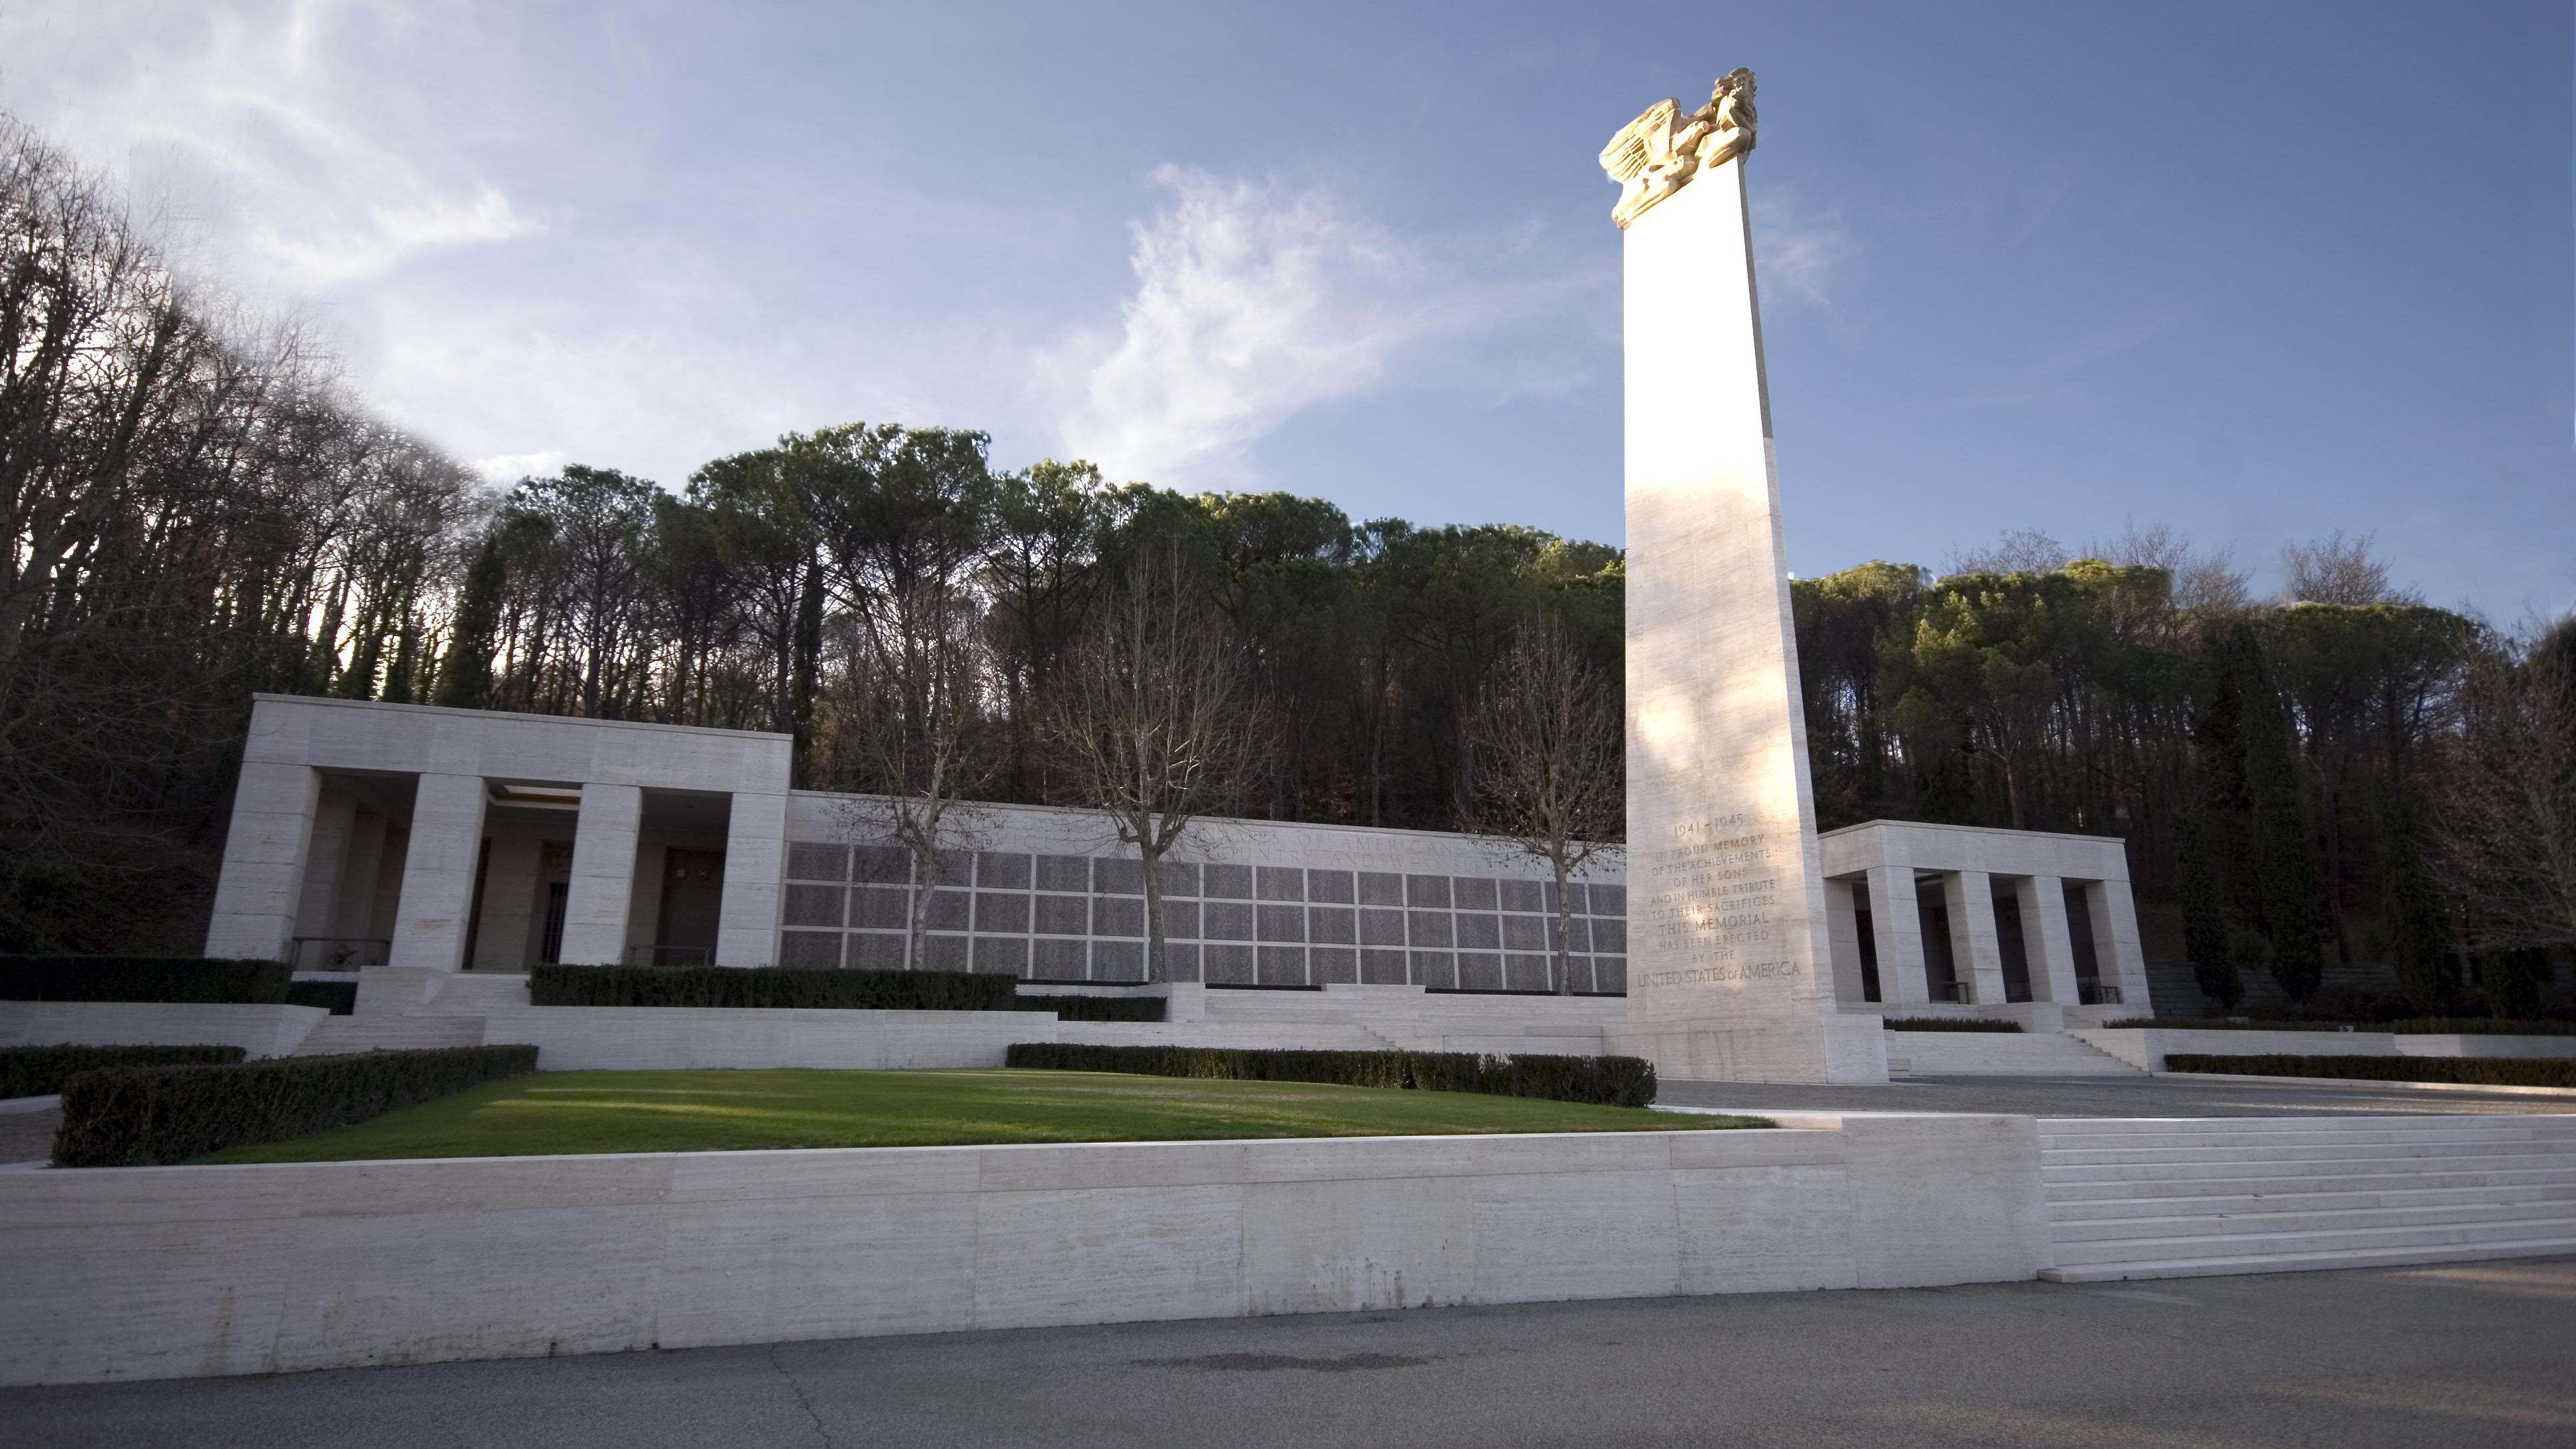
[[1155, 720], [2019, 551], [2505, 817], [1548, 726], [2336, 570]]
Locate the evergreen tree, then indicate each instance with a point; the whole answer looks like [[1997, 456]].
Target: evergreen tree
[[2419, 937], [465, 675], [2285, 873], [2204, 917], [807, 671]]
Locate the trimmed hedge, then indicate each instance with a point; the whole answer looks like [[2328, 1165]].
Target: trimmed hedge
[[1947, 1023], [41, 1071], [340, 997], [142, 1116], [2469, 1071], [2406, 1026], [1097, 1008], [769, 986], [1606, 1081], [192, 979]]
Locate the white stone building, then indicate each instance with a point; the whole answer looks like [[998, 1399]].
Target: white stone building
[[420, 842]]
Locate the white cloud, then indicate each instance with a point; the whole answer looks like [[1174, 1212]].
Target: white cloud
[[509, 468], [1800, 250], [1255, 302]]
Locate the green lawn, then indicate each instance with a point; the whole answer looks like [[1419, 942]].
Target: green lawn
[[714, 1111]]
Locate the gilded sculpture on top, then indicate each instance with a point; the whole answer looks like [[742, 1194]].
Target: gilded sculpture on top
[[1655, 154]]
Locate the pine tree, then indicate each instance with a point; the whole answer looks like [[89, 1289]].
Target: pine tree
[[2419, 937], [806, 673], [2285, 874], [465, 675], [2204, 917]]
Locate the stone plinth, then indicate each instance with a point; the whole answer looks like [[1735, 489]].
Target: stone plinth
[[1729, 972]]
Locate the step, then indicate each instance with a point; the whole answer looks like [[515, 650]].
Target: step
[[2416, 1149], [2140, 1141], [2296, 1262], [2542, 1225], [2165, 1186], [2349, 1166], [2108, 1209], [2272, 1126], [2286, 1217]]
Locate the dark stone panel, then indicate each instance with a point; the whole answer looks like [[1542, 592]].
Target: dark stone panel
[[1525, 972], [884, 865], [1177, 878], [1117, 960], [1525, 933], [1379, 927], [876, 950], [1608, 900], [809, 861], [882, 907], [944, 953], [1428, 928], [1334, 963], [1522, 895], [1283, 965], [1282, 883], [1226, 882], [1283, 923], [1001, 911], [1057, 960], [1480, 970], [1334, 886], [1382, 968], [1112, 876], [1334, 925], [1064, 873], [1063, 915], [1380, 888], [1227, 965], [948, 910], [1427, 890], [1117, 916], [1002, 869], [1226, 921], [1479, 932], [1180, 962], [1610, 935], [1475, 892], [811, 950], [814, 905], [1002, 955], [1435, 968], [1180, 920]]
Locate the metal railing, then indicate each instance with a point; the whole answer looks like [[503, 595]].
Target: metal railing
[[1956, 991], [660, 954], [337, 953], [2096, 993]]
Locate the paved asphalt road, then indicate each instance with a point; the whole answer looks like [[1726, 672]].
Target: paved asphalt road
[[2480, 1354], [2134, 1096]]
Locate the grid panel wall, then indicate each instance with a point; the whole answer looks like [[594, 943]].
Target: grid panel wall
[[1074, 918]]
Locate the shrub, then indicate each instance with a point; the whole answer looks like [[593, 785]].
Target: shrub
[[194, 979], [769, 986], [1097, 1008], [2472, 1071], [1947, 1023], [339, 997], [41, 1071], [140, 1116], [1606, 1081]]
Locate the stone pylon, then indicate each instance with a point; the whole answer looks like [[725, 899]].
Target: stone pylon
[[1729, 971]]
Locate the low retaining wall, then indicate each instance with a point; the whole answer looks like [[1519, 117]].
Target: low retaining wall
[[158, 1272], [582, 1038], [260, 1031], [2147, 1047]]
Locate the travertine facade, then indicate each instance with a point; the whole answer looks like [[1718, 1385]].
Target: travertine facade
[[1730, 972]]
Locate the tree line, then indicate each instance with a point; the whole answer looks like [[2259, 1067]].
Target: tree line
[[199, 510]]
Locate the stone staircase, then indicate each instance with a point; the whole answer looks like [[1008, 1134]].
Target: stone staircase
[[2191, 1197], [339, 1035], [1998, 1054]]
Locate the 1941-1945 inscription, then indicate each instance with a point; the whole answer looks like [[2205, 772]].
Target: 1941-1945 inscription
[[1711, 900]]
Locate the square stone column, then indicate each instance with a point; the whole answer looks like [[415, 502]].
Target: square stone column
[[2052, 944], [755, 859], [509, 903], [261, 887], [1842, 929], [602, 887], [2117, 950], [1896, 922], [1970, 895], [439, 867]]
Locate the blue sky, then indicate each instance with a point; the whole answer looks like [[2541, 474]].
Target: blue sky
[[2253, 271]]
